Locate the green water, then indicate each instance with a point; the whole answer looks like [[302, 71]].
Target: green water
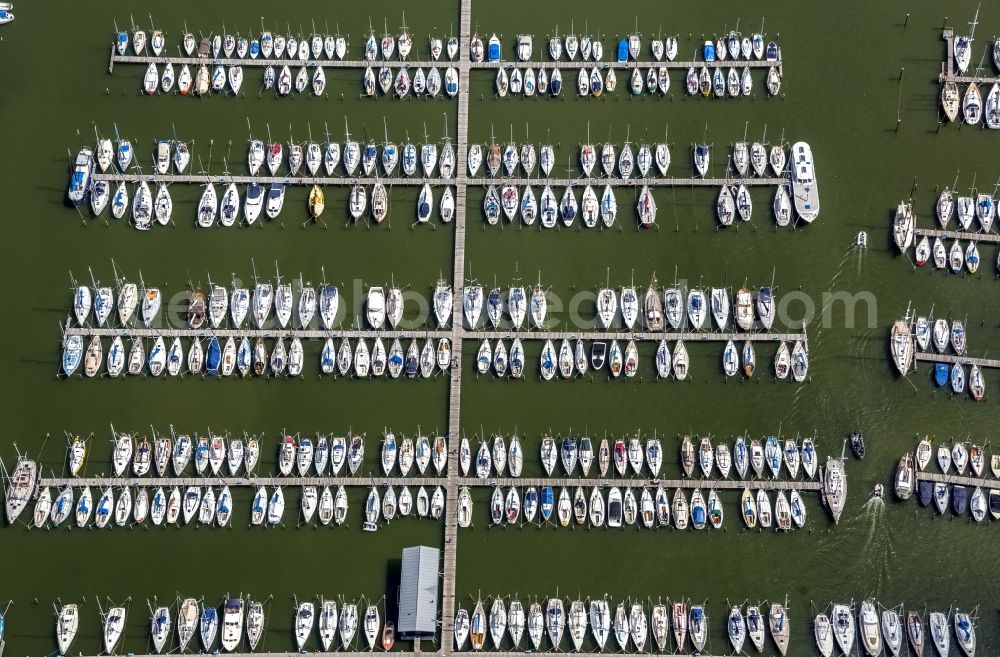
[[841, 93]]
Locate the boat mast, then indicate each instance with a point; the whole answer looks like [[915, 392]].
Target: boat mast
[[118, 281], [92, 281]]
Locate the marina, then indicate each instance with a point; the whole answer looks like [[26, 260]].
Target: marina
[[435, 355], [90, 180], [968, 491], [667, 624], [877, 564], [684, 311], [310, 55], [298, 456], [962, 257], [924, 338], [954, 71]]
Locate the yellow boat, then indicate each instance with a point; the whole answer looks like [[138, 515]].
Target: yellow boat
[[316, 202]]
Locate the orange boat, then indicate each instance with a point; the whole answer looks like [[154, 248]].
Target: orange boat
[[388, 635]]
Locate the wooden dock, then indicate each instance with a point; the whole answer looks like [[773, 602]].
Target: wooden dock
[[638, 336], [225, 179], [306, 651], [627, 65], [640, 482], [252, 333], [249, 482], [948, 65], [415, 181], [456, 334], [445, 650], [567, 648], [958, 235], [932, 357], [450, 547], [958, 480], [457, 482], [636, 183], [459, 64]]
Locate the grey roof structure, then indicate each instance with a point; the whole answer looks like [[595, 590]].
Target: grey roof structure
[[418, 592]]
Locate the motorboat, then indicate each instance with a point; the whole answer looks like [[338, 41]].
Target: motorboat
[[869, 629]]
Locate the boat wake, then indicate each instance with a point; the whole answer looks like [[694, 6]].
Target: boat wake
[[878, 540], [817, 332], [859, 257]]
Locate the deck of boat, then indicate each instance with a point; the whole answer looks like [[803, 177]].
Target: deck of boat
[[958, 480], [460, 181], [957, 235], [952, 358], [450, 482]]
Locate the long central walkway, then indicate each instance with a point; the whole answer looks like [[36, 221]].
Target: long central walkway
[[455, 392]]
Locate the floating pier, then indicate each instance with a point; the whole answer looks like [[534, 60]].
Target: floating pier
[[637, 481], [652, 650], [627, 65], [415, 181], [450, 547], [631, 182], [252, 481], [201, 179], [400, 653], [458, 64], [205, 334], [931, 357], [957, 235], [948, 65], [638, 336], [958, 480], [456, 335]]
